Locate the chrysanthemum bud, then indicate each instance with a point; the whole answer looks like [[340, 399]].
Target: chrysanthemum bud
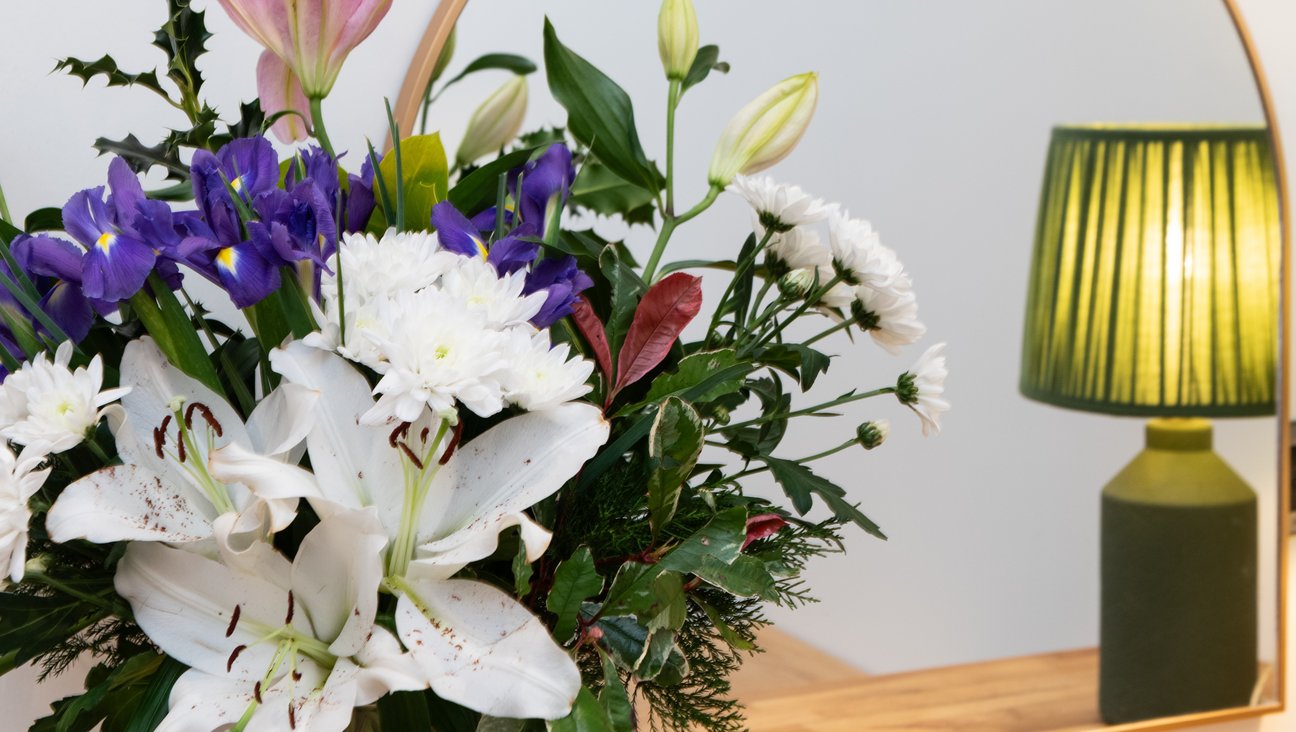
[[907, 389], [37, 564], [677, 37], [766, 130], [496, 122], [872, 434], [796, 283]]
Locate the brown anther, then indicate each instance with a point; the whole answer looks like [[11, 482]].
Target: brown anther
[[296, 675], [292, 716], [229, 665], [159, 439], [424, 434], [256, 692], [401, 430], [210, 418], [166, 422], [454, 443], [234, 618], [288, 619], [410, 454], [180, 450], [188, 415]]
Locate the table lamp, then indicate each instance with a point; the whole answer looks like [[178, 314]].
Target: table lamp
[[1154, 293]]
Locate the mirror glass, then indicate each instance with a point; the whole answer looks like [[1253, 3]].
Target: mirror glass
[[934, 123]]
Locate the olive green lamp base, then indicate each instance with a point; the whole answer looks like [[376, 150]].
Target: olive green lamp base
[[1178, 580]]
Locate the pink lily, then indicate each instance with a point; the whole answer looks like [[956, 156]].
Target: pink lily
[[313, 37]]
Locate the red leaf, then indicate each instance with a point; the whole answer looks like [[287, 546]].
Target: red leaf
[[588, 323], [666, 308], [763, 526]]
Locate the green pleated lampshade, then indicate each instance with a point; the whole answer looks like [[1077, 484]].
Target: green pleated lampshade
[[1155, 274]]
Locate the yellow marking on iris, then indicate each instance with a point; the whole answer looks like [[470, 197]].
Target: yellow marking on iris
[[481, 247], [227, 258], [106, 241], [237, 184]]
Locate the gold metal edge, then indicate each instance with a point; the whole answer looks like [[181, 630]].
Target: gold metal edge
[[406, 111]]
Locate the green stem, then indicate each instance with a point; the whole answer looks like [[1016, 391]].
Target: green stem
[[110, 606], [809, 410], [740, 271], [669, 223], [4, 208], [826, 453], [811, 299], [840, 326], [321, 133], [98, 451], [672, 102]]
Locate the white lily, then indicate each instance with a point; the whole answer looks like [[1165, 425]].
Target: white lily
[[190, 468], [487, 652], [288, 646], [19, 481]]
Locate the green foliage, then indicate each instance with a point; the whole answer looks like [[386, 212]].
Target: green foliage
[[799, 482], [424, 178], [574, 580], [706, 61], [694, 370], [600, 113], [674, 444], [587, 715], [600, 190]]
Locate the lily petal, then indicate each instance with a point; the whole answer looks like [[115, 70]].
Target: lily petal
[[335, 578], [273, 481], [155, 386], [441, 560], [280, 91], [354, 463], [283, 419], [482, 649], [128, 503], [507, 469], [185, 603]]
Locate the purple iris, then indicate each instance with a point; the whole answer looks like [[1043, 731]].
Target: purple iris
[[546, 182], [122, 236], [248, 167], [359, 204], [242, 268], [563, 281], [56, 266]]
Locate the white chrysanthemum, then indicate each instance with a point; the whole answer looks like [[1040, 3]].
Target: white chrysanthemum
[[496, 299], [778, 206], [798, 249], [921, 388], [540, 376], [398, 262], [890, 317], [859, 256], [48, 406], [436, 353], [18, 483]]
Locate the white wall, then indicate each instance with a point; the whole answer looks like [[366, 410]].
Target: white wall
[[933, 123]]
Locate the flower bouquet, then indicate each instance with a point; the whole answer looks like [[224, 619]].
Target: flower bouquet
[[449, 461]]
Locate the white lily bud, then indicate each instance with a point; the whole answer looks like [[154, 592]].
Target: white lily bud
[[496, 122], [766, 130], [677, 37]]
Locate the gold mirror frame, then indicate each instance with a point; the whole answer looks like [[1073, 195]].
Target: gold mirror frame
[[409, 104]]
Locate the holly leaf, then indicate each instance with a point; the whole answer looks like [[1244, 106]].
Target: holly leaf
[[107, 67], [141, 157]]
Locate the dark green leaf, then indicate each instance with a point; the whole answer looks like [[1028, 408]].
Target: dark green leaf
[[183, 39], [674, 444], [155, 703], [706, 61], [600, 113], [44, 219], [113, 75], [624, 638], [726, 265], [799, 482], [600, 190], [449, 717], [802, 362], [404, 710], [166, 320], [659, 648], [522, 571], [627, 288], [575, 580], [520, 65], [614, 698], [742, 287], [141, 157], [476, 191], [746, 576], [587, 715], [696, 369], [674, 670], [722, 538], [653, 596]]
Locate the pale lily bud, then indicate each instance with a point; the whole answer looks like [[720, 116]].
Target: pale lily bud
[[447, 52], [766, 130], [872, 434], [677, 37], [496, 122]]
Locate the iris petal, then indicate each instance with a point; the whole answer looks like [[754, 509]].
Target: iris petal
[[117, 270], [245, 274]]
